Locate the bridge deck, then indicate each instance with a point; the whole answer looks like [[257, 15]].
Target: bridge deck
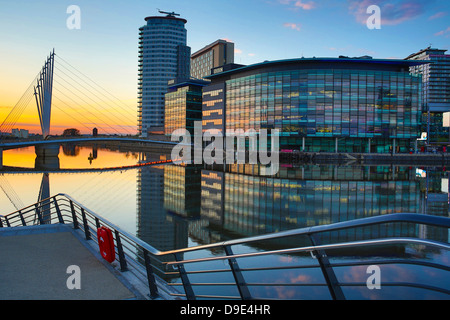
[[28, 143], [34, 262]]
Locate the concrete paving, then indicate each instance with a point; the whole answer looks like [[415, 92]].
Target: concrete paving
[[34, 264]]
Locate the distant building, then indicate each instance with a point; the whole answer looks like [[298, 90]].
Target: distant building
[[183, 104], [163, 55], [20, 133], [435, 92], [214, 55]]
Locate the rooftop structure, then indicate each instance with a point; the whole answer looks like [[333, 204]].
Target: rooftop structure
[[214, 55]]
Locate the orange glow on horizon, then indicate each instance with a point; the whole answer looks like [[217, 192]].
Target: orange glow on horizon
[[75, 104], [72, 158], [80, 157], [85, 119]]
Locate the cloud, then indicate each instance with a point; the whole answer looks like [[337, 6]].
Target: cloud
[[393, 12], [252, 54], [438, 15], [445, 32], [237, 51], [305, 6], [299, 4], [292, 26]]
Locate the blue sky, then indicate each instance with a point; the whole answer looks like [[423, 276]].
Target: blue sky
[[105, 48]]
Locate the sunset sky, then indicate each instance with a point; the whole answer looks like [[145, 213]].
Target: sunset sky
[[105, 47]]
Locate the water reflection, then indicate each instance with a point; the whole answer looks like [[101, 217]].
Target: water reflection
[[70, 156], [179, 206], [234, 204], [172, 207]]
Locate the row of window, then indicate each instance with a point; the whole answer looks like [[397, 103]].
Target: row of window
[[356, 107]]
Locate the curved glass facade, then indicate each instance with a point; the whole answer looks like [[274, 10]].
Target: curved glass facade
[[345, 105], [327, 104]]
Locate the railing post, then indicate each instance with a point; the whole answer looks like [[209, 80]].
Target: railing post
[[150, 276], [185, 279], [122, 260], [87, 233], [21, 218], [74, 215], [7, 222], [237, 274], [328, 273], [58, 212], [97, 222], [38, 214]]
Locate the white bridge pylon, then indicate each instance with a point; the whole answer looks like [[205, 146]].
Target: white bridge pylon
[[43, 94]]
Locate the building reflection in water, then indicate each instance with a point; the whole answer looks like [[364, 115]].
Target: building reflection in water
[[178, 203], [168, 199], [246, 204]]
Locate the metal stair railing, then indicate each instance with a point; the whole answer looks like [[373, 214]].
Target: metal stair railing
[[154, 267]]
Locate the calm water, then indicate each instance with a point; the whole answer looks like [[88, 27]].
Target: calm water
[[174, 207]]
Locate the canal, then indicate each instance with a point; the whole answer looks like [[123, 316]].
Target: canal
[[172, 207]]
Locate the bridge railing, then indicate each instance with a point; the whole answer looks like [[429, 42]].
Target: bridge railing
[[306, 262]]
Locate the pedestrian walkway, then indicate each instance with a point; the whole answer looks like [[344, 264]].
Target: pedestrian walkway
[[34, 264]]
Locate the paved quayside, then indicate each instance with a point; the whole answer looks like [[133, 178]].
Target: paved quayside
[[34, 266]]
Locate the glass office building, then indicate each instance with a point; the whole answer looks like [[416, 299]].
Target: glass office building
[[323, 104], [183, 105]]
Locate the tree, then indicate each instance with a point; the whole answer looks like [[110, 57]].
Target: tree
[[72, 132]]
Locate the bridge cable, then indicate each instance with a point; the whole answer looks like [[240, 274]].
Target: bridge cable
[[115, 123], [111, 189], [83, 107], [72, 108], [10, 193], [18, 109], [106, 111], [95, 94], [15, 114], [109, 94], [62, 110]]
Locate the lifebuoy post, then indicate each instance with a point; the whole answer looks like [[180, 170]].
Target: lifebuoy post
[[106, 244]]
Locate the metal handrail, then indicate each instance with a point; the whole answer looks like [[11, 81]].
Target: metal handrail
[[146, 262], [343, 245]]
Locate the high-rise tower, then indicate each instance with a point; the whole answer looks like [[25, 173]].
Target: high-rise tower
[[163, 55], [435, 90]]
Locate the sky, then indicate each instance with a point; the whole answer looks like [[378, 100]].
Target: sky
[[105, 47]]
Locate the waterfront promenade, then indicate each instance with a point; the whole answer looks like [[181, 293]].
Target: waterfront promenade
[[35, 261]]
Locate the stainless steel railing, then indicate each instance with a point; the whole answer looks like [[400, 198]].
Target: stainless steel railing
[[222, 271]]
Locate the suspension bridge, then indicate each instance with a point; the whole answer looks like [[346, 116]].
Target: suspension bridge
[[62, 91], [61, 87]]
